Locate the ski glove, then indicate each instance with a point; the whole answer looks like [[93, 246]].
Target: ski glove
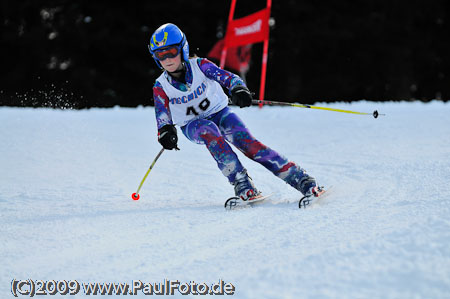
[[241, 96], [168, 138]]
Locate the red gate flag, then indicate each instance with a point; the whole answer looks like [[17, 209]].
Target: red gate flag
[[251, 29], [238, 58]]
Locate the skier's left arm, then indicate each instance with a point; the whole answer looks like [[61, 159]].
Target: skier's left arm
[[240, 94]]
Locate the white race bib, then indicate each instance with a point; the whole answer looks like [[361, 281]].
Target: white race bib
[[203, 98]]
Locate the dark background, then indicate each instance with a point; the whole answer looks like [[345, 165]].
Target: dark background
[[78, 54]]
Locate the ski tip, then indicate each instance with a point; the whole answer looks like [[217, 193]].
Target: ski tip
[[236, 202], [313, 198], [135, 196], [231, 202]]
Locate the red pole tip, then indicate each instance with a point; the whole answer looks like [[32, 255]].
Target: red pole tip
[[135, 196]]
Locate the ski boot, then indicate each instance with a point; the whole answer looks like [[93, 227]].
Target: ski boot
[[244, 190], [305, 183], [244, 187]]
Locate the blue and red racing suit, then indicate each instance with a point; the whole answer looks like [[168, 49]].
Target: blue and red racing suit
[[220, 128]]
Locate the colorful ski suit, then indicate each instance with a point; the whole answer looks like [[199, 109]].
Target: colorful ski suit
[[219, 128]]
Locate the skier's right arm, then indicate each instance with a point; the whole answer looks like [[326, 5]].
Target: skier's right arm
[[167, 133]]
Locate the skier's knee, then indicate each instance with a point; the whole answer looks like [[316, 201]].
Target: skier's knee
[[208, 132], [201, 132]]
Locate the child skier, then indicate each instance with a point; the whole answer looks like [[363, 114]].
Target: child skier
[[189, 94]]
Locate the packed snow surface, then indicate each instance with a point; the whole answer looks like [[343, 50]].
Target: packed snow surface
[[66, 179]]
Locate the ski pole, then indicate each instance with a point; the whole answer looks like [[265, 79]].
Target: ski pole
[[375, 114], [135, 196]]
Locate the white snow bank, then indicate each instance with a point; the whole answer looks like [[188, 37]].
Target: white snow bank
[[384, 232]]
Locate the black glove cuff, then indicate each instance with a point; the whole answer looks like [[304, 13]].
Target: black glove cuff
[[239, 88]]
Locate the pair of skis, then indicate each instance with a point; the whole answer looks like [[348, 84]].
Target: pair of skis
[[235, 202]]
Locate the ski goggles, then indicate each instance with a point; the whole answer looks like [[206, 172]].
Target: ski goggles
[[169, 52]]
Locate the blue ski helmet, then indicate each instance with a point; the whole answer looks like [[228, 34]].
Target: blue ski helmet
[[168, 35]]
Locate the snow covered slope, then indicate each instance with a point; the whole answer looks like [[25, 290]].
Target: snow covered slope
[[66, 213]]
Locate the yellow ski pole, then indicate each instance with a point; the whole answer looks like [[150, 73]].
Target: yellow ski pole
[[375, 114], [135, 196]]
